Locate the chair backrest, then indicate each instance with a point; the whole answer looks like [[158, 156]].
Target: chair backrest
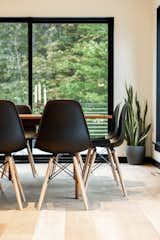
[[11, 130], [63, 128], [24, 109], [121, 127], [115, 122]]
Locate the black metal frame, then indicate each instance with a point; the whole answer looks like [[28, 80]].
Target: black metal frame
[[157, 146], [30, 21], [34, 20], [30, 62]]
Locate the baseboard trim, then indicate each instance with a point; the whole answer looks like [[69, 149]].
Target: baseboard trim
[[67, 159], [156, 163], [146, 161], [45, 158]]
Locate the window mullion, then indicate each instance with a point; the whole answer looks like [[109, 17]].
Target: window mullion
[[30, 61]]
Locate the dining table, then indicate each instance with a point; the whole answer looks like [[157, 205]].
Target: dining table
[[34, 119]]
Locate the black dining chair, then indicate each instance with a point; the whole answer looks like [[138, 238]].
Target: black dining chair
[[63, 130], [110, 145], [116, 142], [114, 127], [12, 139], [99, 142], [30, 134]]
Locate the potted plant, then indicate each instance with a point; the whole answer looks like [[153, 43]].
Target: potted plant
[[136, 129]]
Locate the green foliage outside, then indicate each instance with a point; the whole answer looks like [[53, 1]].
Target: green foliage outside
[[13, 62], [69, 59]]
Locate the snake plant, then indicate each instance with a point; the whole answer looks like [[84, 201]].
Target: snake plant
[[136, 129]]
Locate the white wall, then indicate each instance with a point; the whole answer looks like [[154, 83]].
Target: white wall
[[155, 154], [133, 36]]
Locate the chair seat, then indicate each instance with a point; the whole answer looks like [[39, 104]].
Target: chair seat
[[100, 142]]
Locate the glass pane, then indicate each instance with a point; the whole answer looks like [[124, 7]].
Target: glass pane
[[13, 62], [70, 61]]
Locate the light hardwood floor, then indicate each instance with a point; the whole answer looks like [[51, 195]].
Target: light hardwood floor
[[110, 217]]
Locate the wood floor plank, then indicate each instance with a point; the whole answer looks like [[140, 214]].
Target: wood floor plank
[[50, 225], [21, 226], [80, 225], [151, 209], [110, 215], [2, 229], [123, 221]]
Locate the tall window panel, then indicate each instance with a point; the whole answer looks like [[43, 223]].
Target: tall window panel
[[59, 58], [70, 61], [14, 62]]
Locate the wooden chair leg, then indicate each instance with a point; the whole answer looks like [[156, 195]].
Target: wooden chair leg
[[86, 170], [31, 160], [45, 183], [5, 168], [92, 160], [79, 158], [18, 182], [86, 164], [116, 160], [80, 161], [76, 183], [113, 167], [1, 189], [80, 182], [14, 181], [55, 160]]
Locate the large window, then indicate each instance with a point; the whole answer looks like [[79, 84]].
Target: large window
[[14, 62], [70, 61], [58, 58]]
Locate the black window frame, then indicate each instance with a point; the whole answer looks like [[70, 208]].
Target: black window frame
[[33, 20], [157, 145]]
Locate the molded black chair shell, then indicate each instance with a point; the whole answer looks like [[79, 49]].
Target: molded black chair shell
[[24, 109], [115, 123], [99, 142], [63, 128], [12, 137], [30, 130], [30, 133], [119, 138]]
